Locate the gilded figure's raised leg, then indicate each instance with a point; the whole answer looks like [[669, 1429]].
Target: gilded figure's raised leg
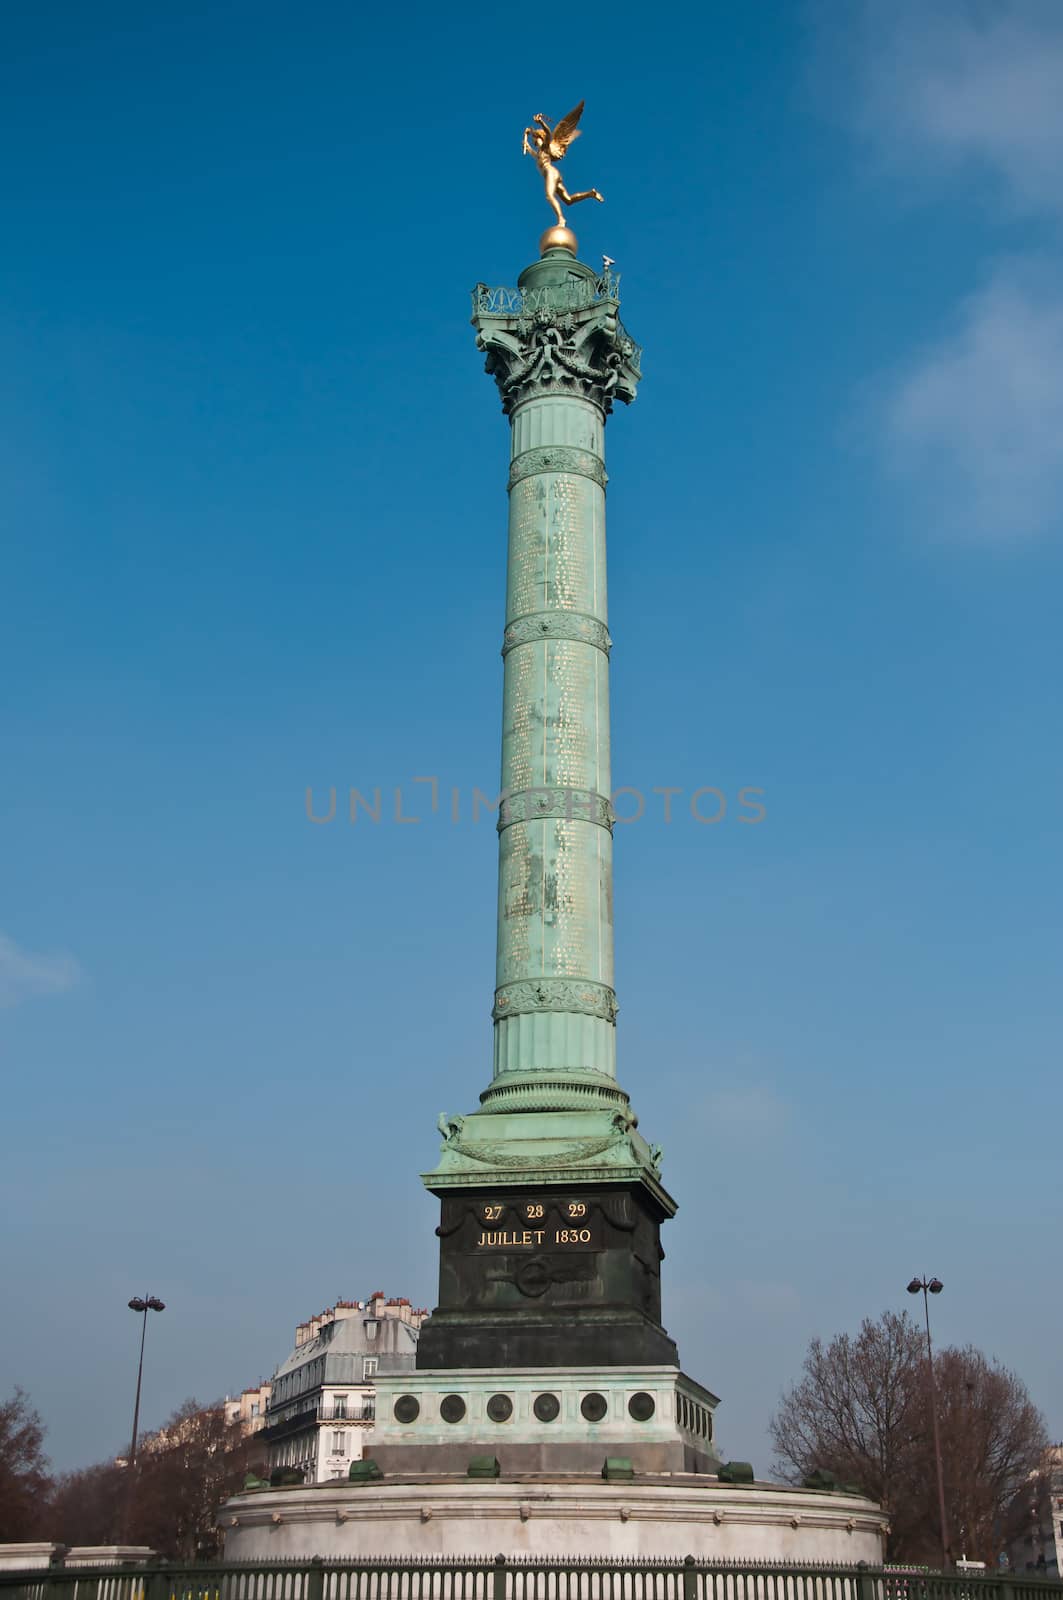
[[584, 194]]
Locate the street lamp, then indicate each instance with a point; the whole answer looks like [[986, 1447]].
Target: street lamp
[[141, 1307], [934, 1286]]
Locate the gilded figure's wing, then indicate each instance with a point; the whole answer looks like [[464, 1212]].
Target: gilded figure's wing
[[566, 130]]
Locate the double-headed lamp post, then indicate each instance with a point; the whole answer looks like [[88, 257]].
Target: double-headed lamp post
[[928, 1287], [142, 1307]]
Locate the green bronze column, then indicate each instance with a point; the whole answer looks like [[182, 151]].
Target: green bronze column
[[554, 1005], [552, 1198]]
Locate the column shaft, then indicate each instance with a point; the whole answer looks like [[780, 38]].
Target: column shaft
[[554, 1003]]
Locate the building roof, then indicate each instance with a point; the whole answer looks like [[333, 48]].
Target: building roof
[[345, 1343]]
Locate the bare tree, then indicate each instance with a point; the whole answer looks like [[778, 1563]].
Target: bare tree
[[87, 1506], [862, 1412], [992, 1442], [170, 1499], [24, 1480], [856, 1413], [184, 1472]]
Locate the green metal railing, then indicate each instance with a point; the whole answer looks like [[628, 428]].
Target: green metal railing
[[501, 301], [514, 1579]]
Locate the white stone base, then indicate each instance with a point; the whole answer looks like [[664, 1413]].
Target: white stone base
[[108, 1555], [26, 1557], [672, 1432], [667, 1516], [29, 1557]]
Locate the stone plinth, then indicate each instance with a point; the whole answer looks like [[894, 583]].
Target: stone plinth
[[108, 1555], [658, 1517], [552, 1420], [30, 1557], [539, 1277], [27, 1557]]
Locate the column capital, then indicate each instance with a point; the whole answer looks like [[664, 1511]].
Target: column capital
[[558, 333]]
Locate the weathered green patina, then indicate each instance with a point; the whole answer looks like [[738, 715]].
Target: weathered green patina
[[554, 1112]]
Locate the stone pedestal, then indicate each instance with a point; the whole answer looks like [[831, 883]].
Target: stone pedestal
[[548, 1277], [29, 1557], [570, 1517], [544, 1420]]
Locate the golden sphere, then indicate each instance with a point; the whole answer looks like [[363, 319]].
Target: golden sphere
[[557, 239]]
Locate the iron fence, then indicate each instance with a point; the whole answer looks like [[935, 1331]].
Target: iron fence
[[529, 1578]]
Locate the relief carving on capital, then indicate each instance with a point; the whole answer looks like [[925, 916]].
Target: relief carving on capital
[[585, 352]]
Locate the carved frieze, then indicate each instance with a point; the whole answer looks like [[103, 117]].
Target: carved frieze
[[558, 458], [575, 805], [556, 625], [499, 1154], [556, 994]]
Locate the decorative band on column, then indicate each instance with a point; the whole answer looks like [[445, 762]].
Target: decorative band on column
[[574, 805], [556, 994], [556, 625], [558, 458]]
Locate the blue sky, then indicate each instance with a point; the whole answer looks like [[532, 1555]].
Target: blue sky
[[253, 530]]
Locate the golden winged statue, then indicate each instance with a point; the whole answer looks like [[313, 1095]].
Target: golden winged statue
[[548, 145]]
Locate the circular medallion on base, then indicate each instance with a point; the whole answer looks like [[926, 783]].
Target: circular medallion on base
[[546, 1407], [558, 239], [452, 1408]]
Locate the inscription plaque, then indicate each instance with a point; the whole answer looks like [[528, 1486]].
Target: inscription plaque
[[538, 1225]]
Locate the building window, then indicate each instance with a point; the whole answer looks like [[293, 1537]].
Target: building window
[[339, 1444], [254, 1408], [339, 1405], [369, 1366]]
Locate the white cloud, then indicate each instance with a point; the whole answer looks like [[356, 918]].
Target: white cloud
[[24, 975], [976, 422], [955, 82], [940, 89]]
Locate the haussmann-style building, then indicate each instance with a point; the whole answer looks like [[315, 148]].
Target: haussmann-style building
[[322, 1399]]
